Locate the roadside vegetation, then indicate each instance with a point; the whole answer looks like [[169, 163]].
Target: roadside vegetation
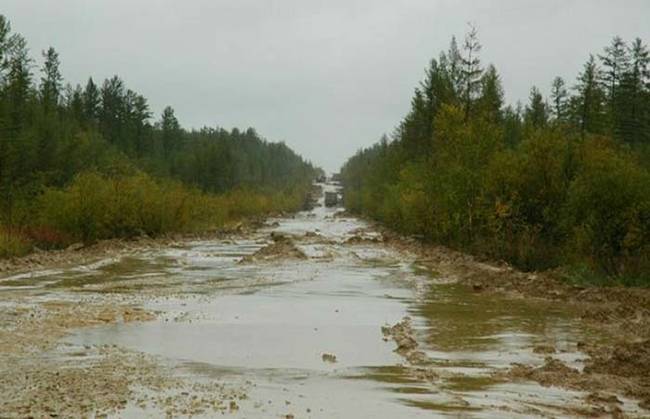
[[83, 163], [562, 181]]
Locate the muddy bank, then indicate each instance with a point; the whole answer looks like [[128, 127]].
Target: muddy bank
[[598, 382], [620, 362], [80, 253]]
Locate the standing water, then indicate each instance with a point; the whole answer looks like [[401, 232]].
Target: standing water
[[301, 330]]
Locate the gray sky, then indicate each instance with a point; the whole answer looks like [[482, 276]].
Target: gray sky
[[327, 77]]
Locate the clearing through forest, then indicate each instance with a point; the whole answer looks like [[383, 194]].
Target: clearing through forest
[[317, 315]]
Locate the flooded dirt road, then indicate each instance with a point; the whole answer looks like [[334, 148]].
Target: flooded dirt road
[[311, 316]]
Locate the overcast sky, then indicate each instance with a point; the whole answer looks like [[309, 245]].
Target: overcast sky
[[327, 77]]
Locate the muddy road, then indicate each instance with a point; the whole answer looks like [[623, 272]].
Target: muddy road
[[310, 316]]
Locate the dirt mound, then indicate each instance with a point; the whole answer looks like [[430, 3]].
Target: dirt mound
[[625, 359], [404, 336], [553, 372], [282, 247], [544, 349], [623, 370], [331, 358], [357, 239]]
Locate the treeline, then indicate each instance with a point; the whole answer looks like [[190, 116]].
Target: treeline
[[88, 162], [562, 181]]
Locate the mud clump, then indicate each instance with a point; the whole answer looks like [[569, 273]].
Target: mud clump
[[331, 358], [281, 247], [553, 372], [599, 376], [544, 349], [357, 239], [418, 364], [403, 335], [629, 359]]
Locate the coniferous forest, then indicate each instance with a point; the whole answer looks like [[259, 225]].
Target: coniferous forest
[[88, 162], [562, 181]]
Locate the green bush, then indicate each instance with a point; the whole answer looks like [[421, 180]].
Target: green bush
[[13, 243], [95, 206], [608, 212]]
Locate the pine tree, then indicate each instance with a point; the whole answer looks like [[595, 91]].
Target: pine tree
[[91, 102], [19, 80], [437, 89], [170, 130], [512, 125], [536, 113], [5, 45], [559, 98], [471, 70], [632, 103], [588, 105], [51, 80], [615, 63], [73, 101], [454, 66], [491, 100], [137, 115], [112, 110]]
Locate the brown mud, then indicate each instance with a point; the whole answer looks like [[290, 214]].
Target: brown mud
[[281, 247], [619, 363], [39, 377]]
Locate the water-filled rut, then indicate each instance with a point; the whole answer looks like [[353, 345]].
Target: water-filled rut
[[287, 322]]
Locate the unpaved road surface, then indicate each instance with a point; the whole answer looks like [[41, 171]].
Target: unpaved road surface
[[311, 316]]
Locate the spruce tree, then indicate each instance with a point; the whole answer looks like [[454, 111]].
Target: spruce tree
[[559, 98], [588, 105], [51, 80], [91, 102], [615, 63], [632, 107], [491, 100], [471, 70], [536, 114]]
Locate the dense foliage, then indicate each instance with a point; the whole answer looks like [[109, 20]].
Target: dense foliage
[[89, 163], [563, 181]]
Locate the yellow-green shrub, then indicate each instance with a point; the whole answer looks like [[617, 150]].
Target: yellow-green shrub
[[96, 206], [13, 243], [608, 212]]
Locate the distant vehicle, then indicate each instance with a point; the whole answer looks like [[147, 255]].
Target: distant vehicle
[[331, 199]]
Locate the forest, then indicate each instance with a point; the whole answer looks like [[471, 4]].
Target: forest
[[89, 162], [559, 183]]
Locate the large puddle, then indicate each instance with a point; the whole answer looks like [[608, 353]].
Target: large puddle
[[268, 324]]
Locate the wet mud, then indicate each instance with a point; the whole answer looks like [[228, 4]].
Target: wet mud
[[314, 315]]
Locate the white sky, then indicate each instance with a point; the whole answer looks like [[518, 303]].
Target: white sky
[[327, 77]]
